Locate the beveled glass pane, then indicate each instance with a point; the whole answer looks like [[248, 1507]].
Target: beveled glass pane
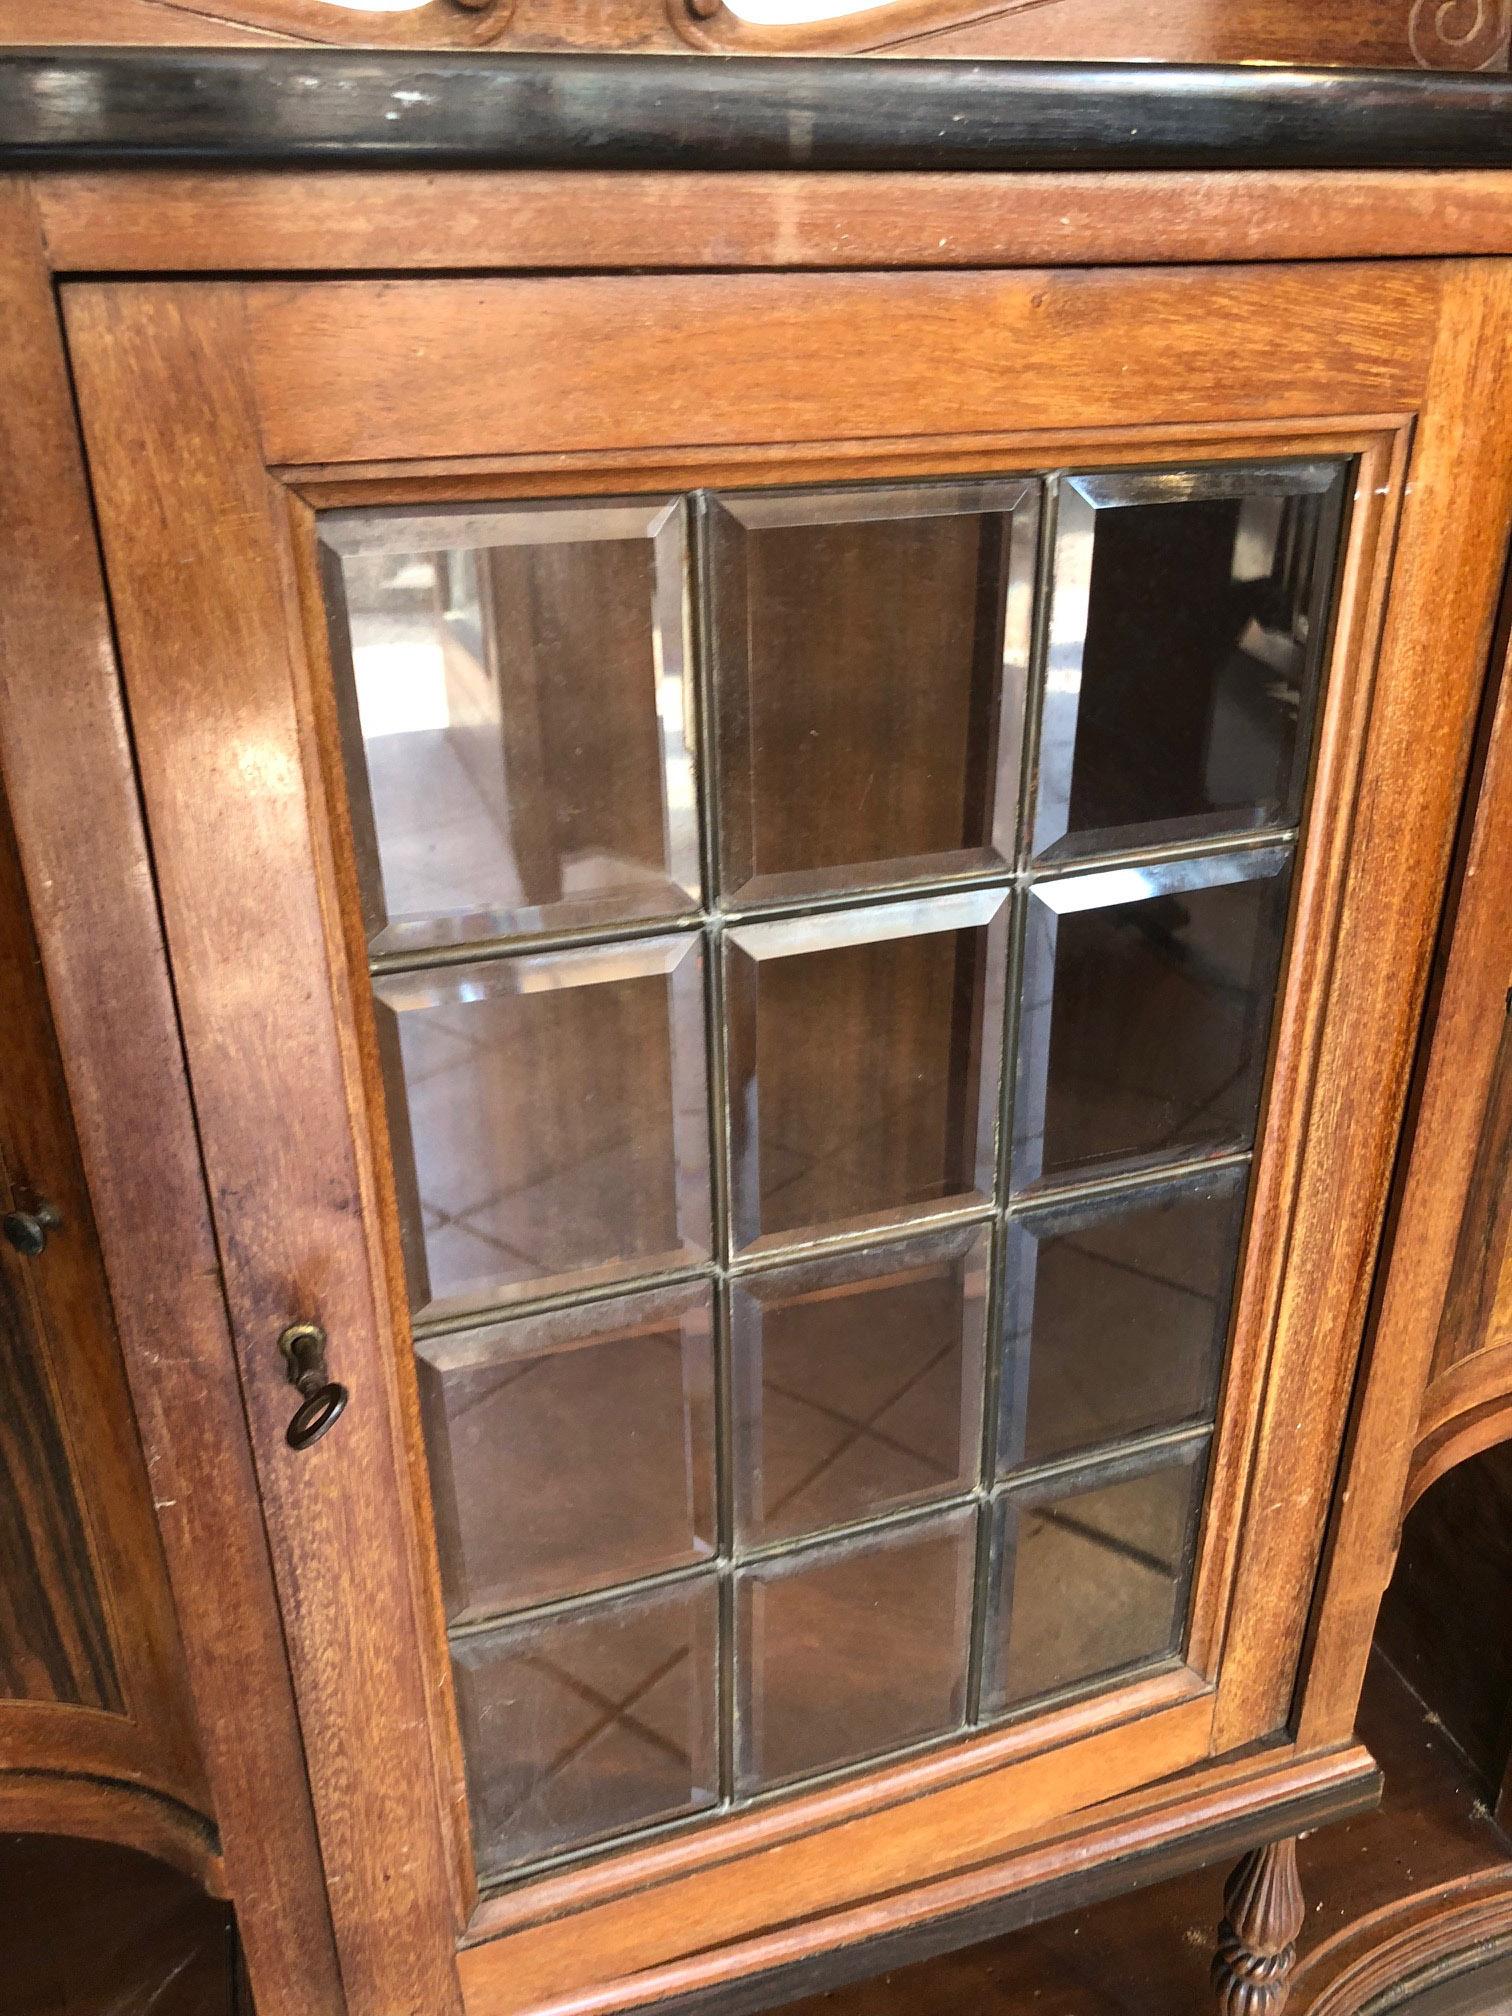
[[864, 1053], [549, 1119], [858, 1383], [1091, 1575], [571, 1450], [1146, 1011], [869, 659], [518, 718], [582, 1723], [1188, 618], [853, 1649], [1115, 1315]]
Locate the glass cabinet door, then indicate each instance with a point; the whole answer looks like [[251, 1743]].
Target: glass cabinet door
[[823, 946], [781, 886]]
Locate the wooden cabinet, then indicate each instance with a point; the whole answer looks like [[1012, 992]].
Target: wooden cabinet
[[797, 888]]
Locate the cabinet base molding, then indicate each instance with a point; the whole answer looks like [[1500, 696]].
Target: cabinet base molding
[[1200, 1817], [112, 1810]]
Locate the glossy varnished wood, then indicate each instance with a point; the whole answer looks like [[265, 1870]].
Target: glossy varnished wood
[[89, 884]]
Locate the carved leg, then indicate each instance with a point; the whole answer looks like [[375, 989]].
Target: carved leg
[[1262, 1915]]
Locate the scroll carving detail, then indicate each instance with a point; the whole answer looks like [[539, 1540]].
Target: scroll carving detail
[[1460, 34]]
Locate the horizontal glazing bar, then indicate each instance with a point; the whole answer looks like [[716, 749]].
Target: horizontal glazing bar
[[1107, 1465], [728, 1563], [1081, 1471], [745, 1265], [1052, 1192], [482, 950], [1136, 1178]]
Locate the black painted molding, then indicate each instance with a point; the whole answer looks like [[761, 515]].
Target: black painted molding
[[139, 107]]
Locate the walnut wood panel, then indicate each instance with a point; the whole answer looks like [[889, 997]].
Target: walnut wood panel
[[169, 417], [1406, 34], [158, 219], [1398, 1405], [596, 363], [85, 858]]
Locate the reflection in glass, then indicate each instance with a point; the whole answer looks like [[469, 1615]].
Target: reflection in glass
[[1187, 624], [858, 1383], [864, 1050], [582, 1723], [519, 718], [852, 1649], [1091, 1574], [548, 1118], [870, 648], [1146, 1010], [571, 1450], [1116, 1312]]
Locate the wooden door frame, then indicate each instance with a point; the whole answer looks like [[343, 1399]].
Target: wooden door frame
[[1377, 999]]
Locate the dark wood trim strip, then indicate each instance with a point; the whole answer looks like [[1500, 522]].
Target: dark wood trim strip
[[80, 107]]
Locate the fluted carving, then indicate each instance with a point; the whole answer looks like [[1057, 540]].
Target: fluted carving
[[1257, 1950]]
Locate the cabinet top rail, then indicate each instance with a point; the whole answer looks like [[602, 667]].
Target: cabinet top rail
[[78, 107]]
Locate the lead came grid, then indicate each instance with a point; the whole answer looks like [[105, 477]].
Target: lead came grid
[[824, 946]]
